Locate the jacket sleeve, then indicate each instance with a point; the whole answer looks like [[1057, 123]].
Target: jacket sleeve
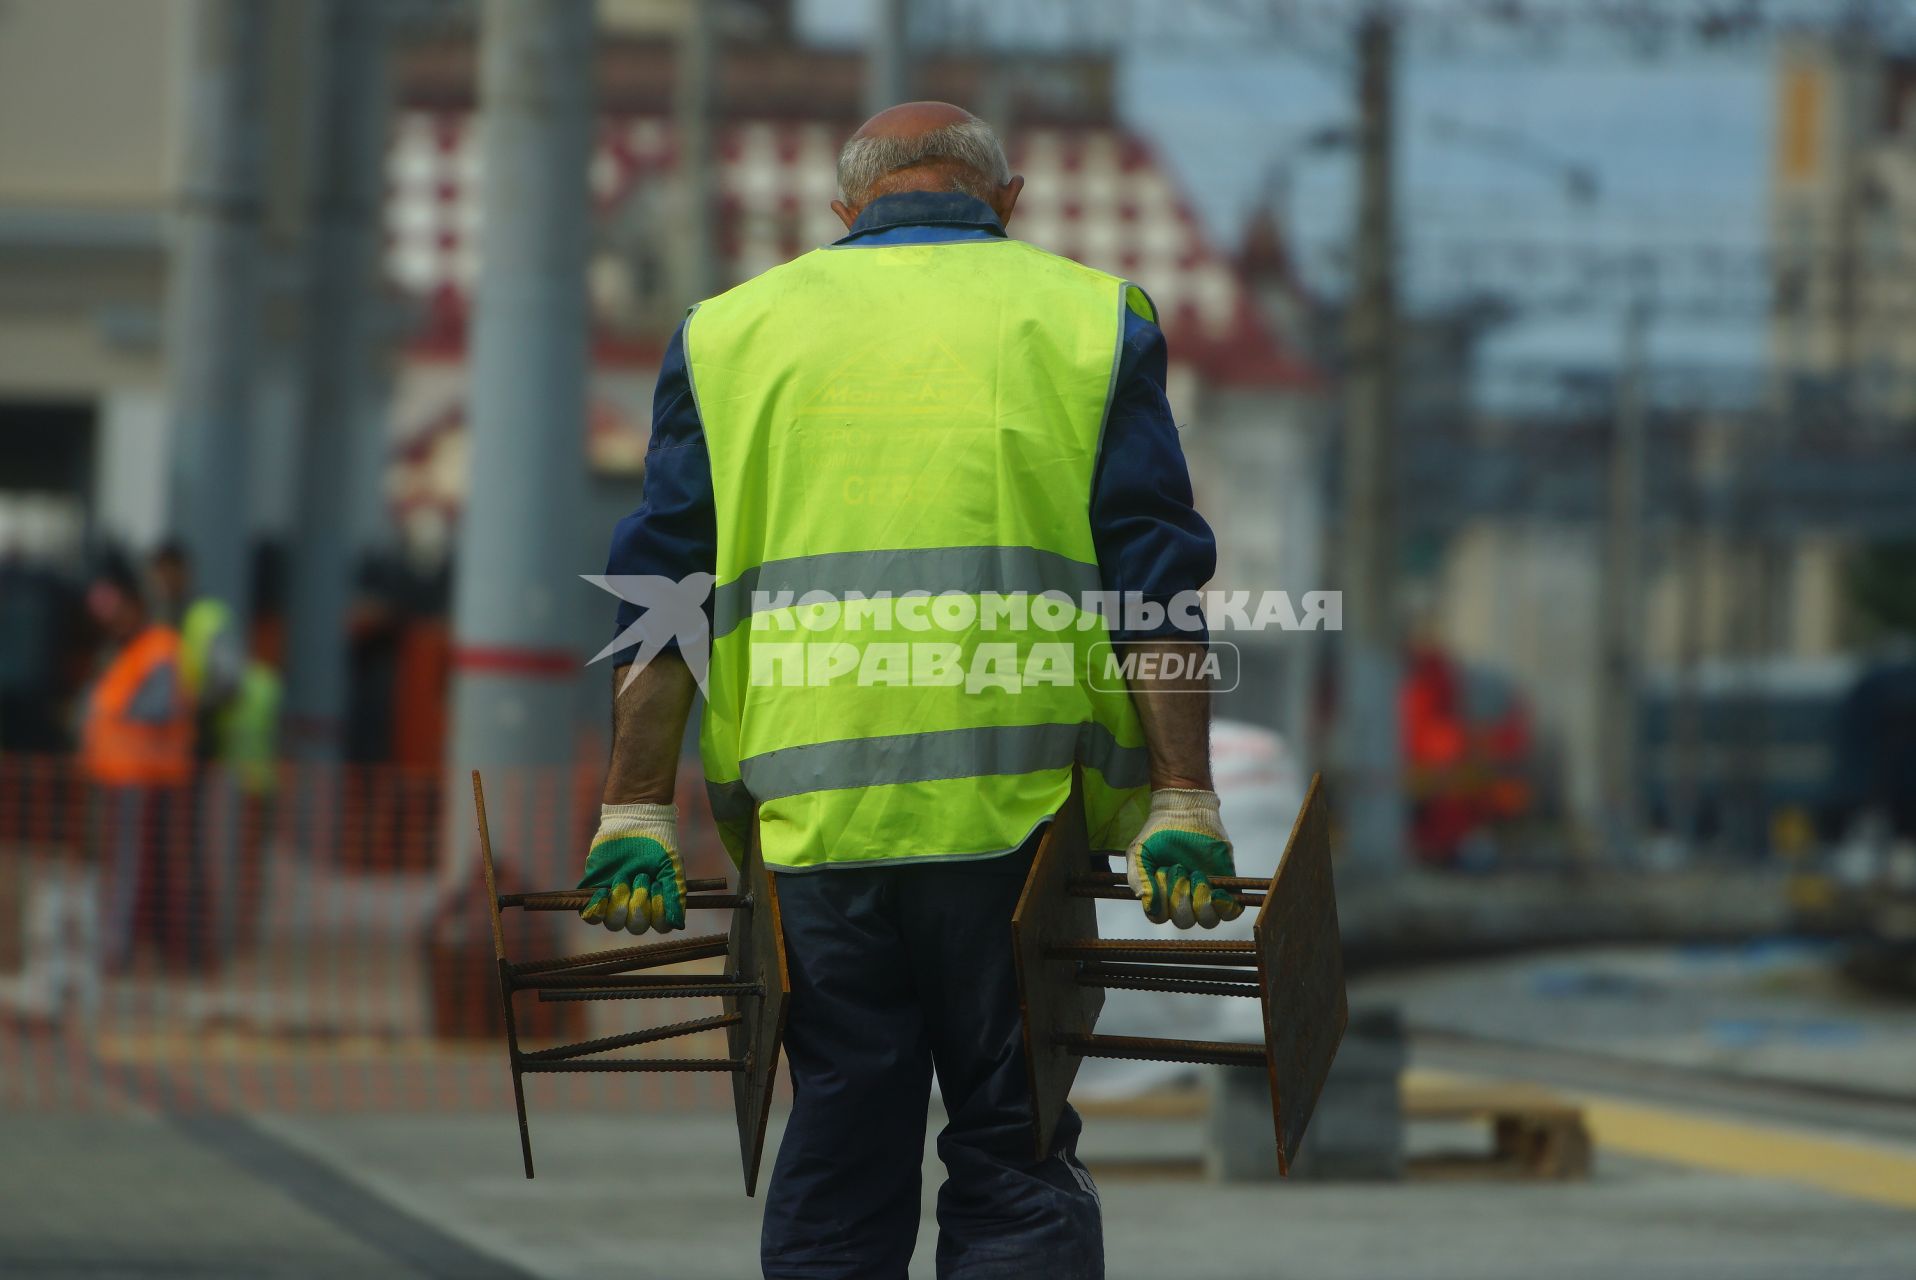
[[674, 532], [1151, 541]]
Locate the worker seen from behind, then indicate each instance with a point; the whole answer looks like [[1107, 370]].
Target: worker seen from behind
[[914, 461]]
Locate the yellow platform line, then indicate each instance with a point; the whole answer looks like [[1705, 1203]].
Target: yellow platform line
[[1856, 1168]]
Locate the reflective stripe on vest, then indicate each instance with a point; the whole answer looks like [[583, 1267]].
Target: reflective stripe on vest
[[908, 434]]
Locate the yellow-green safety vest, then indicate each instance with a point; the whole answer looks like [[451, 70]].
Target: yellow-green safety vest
[[248, 728], [888, 423], [242, 694]]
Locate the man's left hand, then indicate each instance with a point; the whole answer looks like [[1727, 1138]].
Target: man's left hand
[[1171, 863]]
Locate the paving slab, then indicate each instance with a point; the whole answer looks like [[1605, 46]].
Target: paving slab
[[1775, 1011], [104, 1195], [648, 1189], [659, 1195]]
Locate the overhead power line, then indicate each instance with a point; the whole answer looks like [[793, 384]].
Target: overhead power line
[[1528, 28]]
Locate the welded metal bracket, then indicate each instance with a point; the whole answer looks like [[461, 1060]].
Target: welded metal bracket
[[755, 988], [1293, 966]]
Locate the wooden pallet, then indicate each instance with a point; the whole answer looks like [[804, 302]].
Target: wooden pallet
[[1534, 1133]]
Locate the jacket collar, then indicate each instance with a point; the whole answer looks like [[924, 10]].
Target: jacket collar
[[924, 208]]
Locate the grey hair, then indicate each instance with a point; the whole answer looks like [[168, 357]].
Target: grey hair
[[968, 146]]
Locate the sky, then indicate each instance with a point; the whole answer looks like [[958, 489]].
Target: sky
[[1678, 145]]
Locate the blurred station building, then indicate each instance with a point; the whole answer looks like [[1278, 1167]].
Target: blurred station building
[[1096, 192], [1722, 693], [84, 230]]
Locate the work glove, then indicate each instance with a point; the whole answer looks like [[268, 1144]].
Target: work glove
[[635, 871], [1181, 846]]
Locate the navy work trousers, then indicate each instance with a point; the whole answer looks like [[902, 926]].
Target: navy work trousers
[[897, 971]]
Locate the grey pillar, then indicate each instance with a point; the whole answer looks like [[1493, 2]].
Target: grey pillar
[[213, 295], [518, 655], [698, 58], [1619, 822], [337, 393], [888, 62], [1369, 750]]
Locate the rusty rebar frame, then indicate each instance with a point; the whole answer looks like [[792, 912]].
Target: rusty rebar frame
[[1291, 965], [627, 1039], [1294, 943], [1217, 1053], [667, 990], [755, 988]]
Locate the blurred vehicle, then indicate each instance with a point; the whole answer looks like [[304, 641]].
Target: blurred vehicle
[[1737, 746], [1869, 807], [1873, 770]]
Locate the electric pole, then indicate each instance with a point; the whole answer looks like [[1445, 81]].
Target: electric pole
[[692, 106], [516, 658], [1370, 750], [337, 406], [1619, 685], [213, 311], [888, 63]]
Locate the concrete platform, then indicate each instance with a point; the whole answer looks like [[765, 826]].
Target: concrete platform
[[1766, 1011], [1695, 1176], [659, 1195], [129, 1195]]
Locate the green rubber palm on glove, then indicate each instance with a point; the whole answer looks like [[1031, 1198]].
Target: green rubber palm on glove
[[635, 869], [1180, 848]]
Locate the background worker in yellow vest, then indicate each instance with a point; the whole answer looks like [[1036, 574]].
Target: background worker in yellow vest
[[236, 698], [913, 462]]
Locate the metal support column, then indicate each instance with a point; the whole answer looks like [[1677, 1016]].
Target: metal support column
[[888, 62], [692, 106], [518, 654], [1620, 675], [337, 403], [213, 296], [1367, 735]]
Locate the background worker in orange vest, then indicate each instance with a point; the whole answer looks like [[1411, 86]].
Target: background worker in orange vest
[[136, 751]]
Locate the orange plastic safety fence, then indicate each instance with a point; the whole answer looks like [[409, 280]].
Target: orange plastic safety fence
[[319, 945]]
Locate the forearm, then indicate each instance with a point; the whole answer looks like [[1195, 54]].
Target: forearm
[[648, 724], [1175, 712]]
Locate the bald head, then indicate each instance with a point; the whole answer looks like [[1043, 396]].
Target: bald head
[[912, 119], [924, 146]]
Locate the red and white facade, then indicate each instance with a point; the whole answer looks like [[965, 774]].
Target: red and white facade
[[1095, 193]]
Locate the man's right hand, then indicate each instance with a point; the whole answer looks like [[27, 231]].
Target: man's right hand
[[635, 869]]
